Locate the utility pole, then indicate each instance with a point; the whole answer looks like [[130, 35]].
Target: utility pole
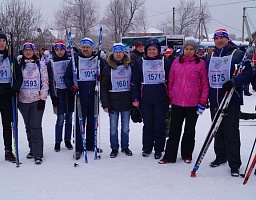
[[82, 18], [201, 26], [173, 20], [245, 23]]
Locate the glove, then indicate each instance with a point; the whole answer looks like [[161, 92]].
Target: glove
[[136, 115], [200, 108], [74, 89], [228, 85], [99, 77], [55, 101], [41, 104]]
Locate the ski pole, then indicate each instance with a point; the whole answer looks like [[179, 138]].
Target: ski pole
[[243, 175]]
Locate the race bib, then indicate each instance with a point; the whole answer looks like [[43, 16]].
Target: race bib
[[31, 78], [59, 69], [153, 71], [120, 79], [87, 68]]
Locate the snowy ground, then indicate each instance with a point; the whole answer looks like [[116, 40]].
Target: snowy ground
[[124, 177]]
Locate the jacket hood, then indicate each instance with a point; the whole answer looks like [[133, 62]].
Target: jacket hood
[[112, 63]]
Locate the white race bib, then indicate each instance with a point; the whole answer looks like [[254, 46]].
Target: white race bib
[[5, 70], [87, 68], [59, 69], [31, 77], [153, 71], [120, 79]]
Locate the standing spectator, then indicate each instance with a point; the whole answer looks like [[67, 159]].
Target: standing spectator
[[46, 56], [62, 98], [137, 53], [86, 63], [32, 96], [188, 94], [8, 89], [149, 93], [116, 97], [221, 63]]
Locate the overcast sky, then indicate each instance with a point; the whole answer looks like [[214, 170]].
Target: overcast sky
[[224, 13]]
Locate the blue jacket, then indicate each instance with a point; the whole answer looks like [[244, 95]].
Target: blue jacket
[[65, 96], [216, 95], [86, 88], [149, 93]]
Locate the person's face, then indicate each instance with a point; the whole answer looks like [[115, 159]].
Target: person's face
[[2, 44], [189, 51], [152, 51], [86, 50], [220, 42], [140, 49], [28, 53], [118, 55], [60, 52]]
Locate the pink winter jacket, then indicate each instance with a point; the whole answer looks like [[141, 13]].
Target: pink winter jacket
[[188, 82]]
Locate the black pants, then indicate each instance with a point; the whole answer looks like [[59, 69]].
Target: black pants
[[178, 115], [154, 116], [6, 115], [227, 139]]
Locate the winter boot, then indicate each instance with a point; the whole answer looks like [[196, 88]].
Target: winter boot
[[113, 153], [57, 147], [9, 156], [38, 160], [68, 145], [30, 155], [127, 151]]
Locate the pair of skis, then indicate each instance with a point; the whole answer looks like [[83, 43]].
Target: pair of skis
[[77, 102], [14, 107], [219, 115]]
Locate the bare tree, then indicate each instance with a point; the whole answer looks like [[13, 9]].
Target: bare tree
[[21, 18], [187, 17], [120, 17], [74, 12]]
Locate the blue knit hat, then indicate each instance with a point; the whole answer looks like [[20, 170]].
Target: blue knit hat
[[221, 33], [28, 45], [59, 44], [153, 42], [88, 42], [118, 47]]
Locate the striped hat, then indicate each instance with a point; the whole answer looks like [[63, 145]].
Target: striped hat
[[28, 45], [59, 44], [221, 33]]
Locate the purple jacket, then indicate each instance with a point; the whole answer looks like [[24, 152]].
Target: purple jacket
[[188, 82]]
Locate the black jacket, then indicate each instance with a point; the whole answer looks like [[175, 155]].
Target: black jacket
[[6, 88], [116, 101]]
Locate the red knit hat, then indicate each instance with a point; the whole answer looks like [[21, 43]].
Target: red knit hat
[[59, 44], [138, 44]]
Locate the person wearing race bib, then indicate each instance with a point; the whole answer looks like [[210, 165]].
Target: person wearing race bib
[[62, 98], [10, 82], [188, 94], [149, 93], [86, 64], [31, 99], [221, 64], [116, 97]]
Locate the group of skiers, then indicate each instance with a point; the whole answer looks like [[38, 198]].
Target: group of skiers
[[144, 79]]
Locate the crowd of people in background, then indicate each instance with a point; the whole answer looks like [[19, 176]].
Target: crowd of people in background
[[178, 83]]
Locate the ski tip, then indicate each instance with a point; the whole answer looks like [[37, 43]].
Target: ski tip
[[76, 165], [244, 182], [193, 174]]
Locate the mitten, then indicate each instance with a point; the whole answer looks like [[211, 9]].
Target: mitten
[[228, 85], [200, 108], [74, 89], [41, 104], [54, 101], [136, 115], [99, 77]]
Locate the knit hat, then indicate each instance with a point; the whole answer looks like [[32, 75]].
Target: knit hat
[[153, 42], [59, 44], [88, 42], [28, 45], [138, 44], [118, 47], [2, 35], [221, 33], [168, 52], [190, 43]]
